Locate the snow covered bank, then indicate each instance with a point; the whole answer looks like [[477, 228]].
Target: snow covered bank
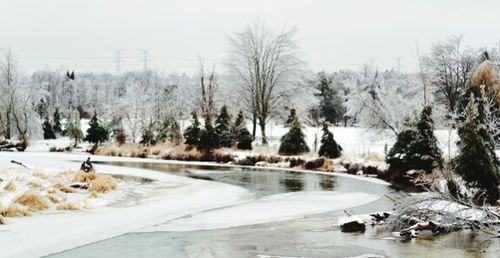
[[272, 208], [170, 197]]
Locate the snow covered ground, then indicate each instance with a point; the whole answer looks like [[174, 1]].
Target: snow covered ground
[[272, 208], [50, 232], [173, 203]]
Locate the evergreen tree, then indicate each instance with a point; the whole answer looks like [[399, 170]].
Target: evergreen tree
[[222, 128], [291, 117], [476, 161], [174, 133], [208, 137], [416, 146], [73, 128], [161, 130], [96, 132], [192, 133], [330, 103], [148, 135], [329, 147], [293, 142], [236, 127], [427, 153], [245, 139], [57, 122], [48, 131]]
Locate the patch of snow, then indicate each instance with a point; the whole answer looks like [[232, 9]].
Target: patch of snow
[[272, 208]]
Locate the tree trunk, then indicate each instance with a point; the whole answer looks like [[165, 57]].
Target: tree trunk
[[254, 124], [262, 124]]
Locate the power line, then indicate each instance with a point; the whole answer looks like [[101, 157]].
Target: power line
[[145, 53], [118, 60]]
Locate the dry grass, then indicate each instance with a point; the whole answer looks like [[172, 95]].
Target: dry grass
[[84, 177], [53, 198], [33, 200], [10, 186], [103, 184], [15, 210], [39, 175], [63, 188], [34, 184], [94, 194], [68, 207]]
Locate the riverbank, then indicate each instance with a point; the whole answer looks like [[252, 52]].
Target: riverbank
[[170, 197]]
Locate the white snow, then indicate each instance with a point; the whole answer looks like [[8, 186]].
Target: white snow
[[272, 208], [348, 219], [173, 197]]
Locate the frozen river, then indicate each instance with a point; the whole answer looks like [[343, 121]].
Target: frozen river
[[232, 232]]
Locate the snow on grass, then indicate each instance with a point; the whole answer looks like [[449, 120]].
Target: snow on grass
[[166, 197], [272, 208]]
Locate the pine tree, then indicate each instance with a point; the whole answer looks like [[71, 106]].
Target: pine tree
[[148, 135], [174, 133], [476, 161], [96, 133], [330, 103], [222, 128], [329, 147], [293, 142], [192, 133], [48, 131], [416, 146], [208, 137], [291, 117], [73, 128], [236, 127], [245, 139], [160, 130], [57, 121], [427, 153]]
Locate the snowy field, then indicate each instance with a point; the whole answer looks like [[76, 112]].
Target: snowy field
[[169, 197]]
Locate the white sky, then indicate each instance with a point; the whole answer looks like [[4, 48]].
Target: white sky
[[83, 34]]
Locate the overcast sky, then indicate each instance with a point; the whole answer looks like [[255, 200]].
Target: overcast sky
[[83, 34]]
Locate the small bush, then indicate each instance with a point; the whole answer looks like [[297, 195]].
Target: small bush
[[245, 162], [53, 198], [84, 177], [10, 186], [15, 210], [33, 200], [68, 207], [103, 184], [314, 164], [63, 188], [295, 162]]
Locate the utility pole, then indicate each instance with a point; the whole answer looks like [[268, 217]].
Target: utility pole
[[145, 53], [118, 60], [399, 64]]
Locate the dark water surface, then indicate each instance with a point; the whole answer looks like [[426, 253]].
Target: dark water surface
[[312, 236]]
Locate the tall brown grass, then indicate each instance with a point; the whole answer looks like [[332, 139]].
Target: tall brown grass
[[63, 188], [33, 200], [15, 210], [103, 184], [68, 207], [10, 186]]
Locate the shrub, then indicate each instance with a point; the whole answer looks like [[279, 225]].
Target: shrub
[[293, 142], [33, 200], [329, 147]]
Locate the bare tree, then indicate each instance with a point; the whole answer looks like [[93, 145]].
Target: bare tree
[[263, 62], [8, 81], [449, 68], [208, 85]]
